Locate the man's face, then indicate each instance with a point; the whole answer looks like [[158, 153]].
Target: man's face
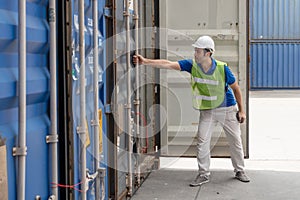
[[200, 55]]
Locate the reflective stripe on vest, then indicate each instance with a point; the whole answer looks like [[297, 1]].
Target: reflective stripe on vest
[[208, 90], [208, 98], [205, 81]]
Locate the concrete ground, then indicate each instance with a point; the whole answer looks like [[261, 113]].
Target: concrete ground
[[273, 166]]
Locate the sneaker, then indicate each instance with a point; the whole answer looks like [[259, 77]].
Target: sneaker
[[199, 180], [242, 176]]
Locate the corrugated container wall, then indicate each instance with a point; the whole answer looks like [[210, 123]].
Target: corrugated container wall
[[274, 44], [37, 95], [39, 166]]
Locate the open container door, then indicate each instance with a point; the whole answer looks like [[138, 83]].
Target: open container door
[[130, 95], [181, 24]]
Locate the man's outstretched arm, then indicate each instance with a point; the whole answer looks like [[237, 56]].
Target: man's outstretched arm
[[158, 63]]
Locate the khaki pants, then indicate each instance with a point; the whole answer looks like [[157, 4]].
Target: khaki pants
[[209, 119]]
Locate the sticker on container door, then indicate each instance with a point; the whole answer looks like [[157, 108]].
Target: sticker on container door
[[87, 141]]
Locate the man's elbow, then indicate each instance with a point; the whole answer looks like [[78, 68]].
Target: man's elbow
[[175, 65], [235, 87]]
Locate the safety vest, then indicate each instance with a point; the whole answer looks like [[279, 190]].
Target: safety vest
[[208, 90]]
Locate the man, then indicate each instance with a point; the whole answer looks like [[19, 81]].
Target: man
[[215, 100]]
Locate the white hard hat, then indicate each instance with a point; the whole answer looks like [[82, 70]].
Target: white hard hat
[[205, 42]]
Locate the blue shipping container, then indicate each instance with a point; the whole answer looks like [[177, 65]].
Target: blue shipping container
[[37, 159], [38, 182], [275, 19], [274, 44], [275, 65]]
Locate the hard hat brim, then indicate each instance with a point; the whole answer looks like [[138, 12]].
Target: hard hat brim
[[201, 47]]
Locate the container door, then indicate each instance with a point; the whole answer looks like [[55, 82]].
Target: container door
[[225, 21], [37, 96], [75, 97], [274, 44], [132, 156]]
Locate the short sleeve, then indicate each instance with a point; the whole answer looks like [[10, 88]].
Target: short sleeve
[[186, 65], [229, 76]]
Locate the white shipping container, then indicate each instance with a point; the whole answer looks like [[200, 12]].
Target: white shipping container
[[181, 23]]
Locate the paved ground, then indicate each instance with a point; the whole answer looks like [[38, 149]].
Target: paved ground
[[274, 124], [174, 184], [273, 166]]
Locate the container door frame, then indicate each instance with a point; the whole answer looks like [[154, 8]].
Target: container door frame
[[242, 51]]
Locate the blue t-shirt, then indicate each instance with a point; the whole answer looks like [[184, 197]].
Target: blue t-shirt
[[229, 100]]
